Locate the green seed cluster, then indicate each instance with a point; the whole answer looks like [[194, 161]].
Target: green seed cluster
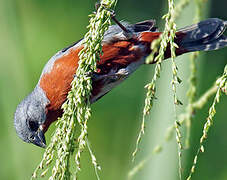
[[221, 84], [158, 47], [182, 119], [77, 110]]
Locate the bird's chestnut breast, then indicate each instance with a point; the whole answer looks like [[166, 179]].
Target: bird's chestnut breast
[[56, 83]]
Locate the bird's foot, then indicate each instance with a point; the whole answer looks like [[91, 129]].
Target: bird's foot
[[113, 16]]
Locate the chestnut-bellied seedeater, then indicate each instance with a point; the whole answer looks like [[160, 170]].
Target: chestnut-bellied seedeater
[[125, 47]]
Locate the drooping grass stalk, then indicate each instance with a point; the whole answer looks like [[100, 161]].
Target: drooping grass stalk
[[159, 46], [221, 83], [175, 80], [77, 108], [182, 118], [99, 23], [93, 159], [192, 79]]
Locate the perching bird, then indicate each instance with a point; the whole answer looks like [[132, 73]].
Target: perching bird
[[125, 48]]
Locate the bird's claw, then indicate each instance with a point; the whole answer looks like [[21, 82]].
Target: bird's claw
[[113, 16]]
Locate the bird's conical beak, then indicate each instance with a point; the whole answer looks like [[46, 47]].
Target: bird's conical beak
[[39, 138]]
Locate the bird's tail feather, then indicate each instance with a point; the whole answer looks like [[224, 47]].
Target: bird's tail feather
[[204, 36]]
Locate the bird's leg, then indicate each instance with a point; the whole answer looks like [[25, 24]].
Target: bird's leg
[[113, 16]]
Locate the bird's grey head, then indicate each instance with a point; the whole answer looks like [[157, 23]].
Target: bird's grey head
[[30, 116]]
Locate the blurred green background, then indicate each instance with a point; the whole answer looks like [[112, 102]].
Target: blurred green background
[[32, 31]]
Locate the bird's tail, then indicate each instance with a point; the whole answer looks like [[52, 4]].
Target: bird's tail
[[204, 36]]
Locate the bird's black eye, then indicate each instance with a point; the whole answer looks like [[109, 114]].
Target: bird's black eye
[[33, 125]]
